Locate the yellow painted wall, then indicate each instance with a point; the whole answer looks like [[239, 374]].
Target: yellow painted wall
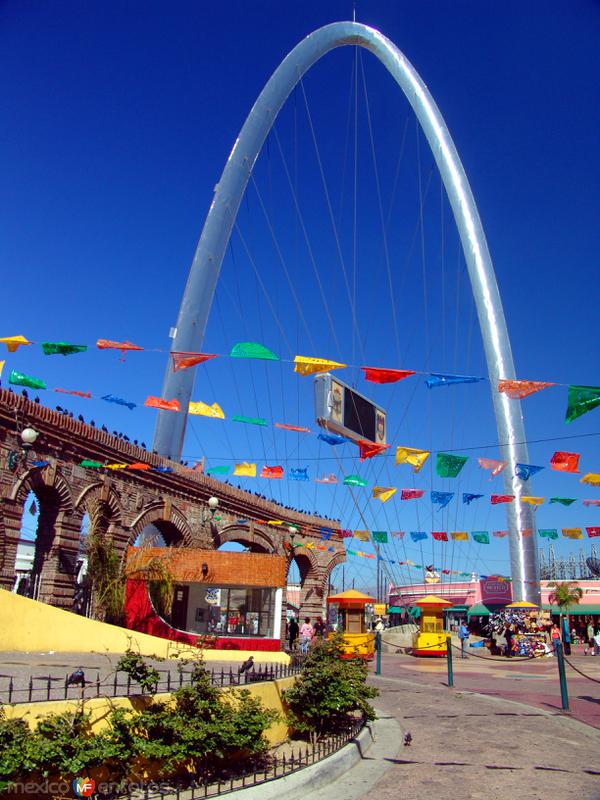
[[100, 707], [29, 626]]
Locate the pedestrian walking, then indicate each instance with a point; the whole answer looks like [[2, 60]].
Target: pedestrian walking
[[508, 636], [555, 637], [589, 642], [306, 634], [293, 631], [463, 635], [320, 628], [597, 643]]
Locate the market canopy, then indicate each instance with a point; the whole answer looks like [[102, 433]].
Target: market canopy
[[522, 604], [351, 597], [432, 600], [478, 610], [592, 608]]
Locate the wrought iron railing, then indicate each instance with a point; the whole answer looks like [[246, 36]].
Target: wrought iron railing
[[272, 769], [38, 688]]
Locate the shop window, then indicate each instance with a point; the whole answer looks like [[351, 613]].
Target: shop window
[[235, 612]]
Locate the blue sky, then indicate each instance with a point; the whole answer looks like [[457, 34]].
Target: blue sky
[[117, 121]]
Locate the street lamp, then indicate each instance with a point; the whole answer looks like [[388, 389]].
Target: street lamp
[[208, 518], [16, 457], [213, 504], [292, 530]]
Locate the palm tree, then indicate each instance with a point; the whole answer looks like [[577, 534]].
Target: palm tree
[[565, 594]]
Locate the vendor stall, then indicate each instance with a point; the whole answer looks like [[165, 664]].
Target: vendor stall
[[519, 630], [430, 639], [350, 613]]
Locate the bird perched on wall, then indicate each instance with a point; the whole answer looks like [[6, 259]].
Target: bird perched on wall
[[76, 678], [247, 665], [407, 739]]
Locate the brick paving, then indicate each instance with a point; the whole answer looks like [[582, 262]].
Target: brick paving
[[534, 682], [499, 733]]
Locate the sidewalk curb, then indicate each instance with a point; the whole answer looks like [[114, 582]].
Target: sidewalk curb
[[302, 783]]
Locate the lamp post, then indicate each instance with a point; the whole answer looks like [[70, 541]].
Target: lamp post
[[16, 457], [292, 530]]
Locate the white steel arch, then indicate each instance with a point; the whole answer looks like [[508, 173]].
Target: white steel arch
[[206, 265]]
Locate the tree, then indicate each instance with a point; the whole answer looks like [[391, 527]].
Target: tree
[[565, 594], [108, 571], [329, 691]]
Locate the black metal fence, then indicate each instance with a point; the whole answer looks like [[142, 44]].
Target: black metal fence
[[274, 768], [38, 688]]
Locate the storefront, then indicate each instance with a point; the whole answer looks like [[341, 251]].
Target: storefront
[[226, 600]]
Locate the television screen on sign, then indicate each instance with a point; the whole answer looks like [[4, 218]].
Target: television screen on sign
[[346, 412]]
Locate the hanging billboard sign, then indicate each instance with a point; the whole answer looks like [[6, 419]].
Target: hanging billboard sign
[[344, 411]]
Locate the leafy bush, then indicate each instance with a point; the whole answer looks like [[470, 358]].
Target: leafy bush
[[14, 735], [330, 689], [201, 729], [134, 665]]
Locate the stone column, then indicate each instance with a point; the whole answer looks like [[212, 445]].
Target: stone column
[[12, 512]]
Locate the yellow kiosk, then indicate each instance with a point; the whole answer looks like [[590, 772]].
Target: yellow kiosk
[[430, 639], [346, 612]]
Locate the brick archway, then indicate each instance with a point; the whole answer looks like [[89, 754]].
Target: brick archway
[[57, 535], [253, 537], [170, 522]]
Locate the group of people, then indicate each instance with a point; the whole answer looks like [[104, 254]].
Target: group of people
[[592, 641], [302, 635], [517, 633]]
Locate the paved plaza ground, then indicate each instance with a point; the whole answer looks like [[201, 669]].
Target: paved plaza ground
[[499, 733]]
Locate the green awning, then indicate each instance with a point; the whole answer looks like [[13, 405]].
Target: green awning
[[415, 612], [580, 610], [479, 610]]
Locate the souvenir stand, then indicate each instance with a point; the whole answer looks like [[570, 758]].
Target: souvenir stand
[[430, 639], [348, 613], [529, 637]]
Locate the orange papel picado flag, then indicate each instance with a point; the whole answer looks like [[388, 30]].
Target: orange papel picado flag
[[369, 449], [164, 405], [245, 469], [187, 360], [309, 366], [572, 533], [383, 493], [108, 344], [204, 410], [565, 462], [517, 390], [271, 472], [411, 455]]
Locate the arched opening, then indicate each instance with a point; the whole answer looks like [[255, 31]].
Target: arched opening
[[252, 541], [82, 590], [298, 569], [26, 547], [160, 533], [35, 564], [233, 547]]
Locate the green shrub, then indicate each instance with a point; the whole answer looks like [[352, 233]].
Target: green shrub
[[329, 690], [202, 730]]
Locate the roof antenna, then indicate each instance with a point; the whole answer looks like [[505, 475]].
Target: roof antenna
[[354, 11]]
